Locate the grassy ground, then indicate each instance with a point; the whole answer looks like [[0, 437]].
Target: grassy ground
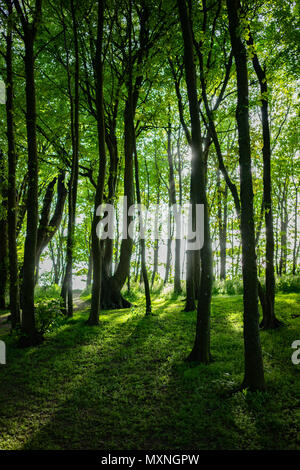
[[125, 385]]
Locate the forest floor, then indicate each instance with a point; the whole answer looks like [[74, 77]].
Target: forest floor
[[125, 384]]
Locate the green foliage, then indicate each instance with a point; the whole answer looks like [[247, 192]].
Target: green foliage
[[288, 284], [47, 292], [48, 315], [284, 284], [228, 287]]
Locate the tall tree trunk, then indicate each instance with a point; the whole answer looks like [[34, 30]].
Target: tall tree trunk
[[28, 313], [254, 373], [112, 286], [14, 293], [96, 244], [67, 287], [201, 349], [269, 319], [28, 320], [172, 195]]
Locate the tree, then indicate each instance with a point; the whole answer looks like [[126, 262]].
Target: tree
[[96, 246], [254, 373], [201, 349]]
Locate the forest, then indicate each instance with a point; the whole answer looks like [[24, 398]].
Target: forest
[[150, 220]]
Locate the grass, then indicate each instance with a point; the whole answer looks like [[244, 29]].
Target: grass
[[125, 385]]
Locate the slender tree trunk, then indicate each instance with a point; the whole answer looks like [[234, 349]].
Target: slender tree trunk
[[269, 319], [142, 239], [156, 241], [169, 248], [283, 234], [222, 225], [67, 287], [172, 196], [295, 234], [254, 373]]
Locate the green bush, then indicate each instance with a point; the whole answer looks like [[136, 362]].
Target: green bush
[[284, 284], [48, 315], [47, 292], [228, 287], [288, 284]]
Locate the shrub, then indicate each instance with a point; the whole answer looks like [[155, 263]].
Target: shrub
[[47, 292], [48, 315], [288, 284]]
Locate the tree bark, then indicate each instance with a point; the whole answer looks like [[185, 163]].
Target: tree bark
[[254, 373], [28, 313]]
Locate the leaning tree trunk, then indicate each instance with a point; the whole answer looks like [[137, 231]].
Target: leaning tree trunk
[[47, 228], [254, 372]]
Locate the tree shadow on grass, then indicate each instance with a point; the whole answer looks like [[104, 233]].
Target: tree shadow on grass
[[126, 386]]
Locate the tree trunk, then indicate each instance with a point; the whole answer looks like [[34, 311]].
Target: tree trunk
[[96, 244], [283, 234], [156, 234], [14, 292], [28, 314], [172, 196], [269, 319], [142, 239], [201, 349], [295, 234], [67, 287], [3, 234], [254, 373]]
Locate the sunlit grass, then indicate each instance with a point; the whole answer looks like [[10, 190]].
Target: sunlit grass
[[125, 384]]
